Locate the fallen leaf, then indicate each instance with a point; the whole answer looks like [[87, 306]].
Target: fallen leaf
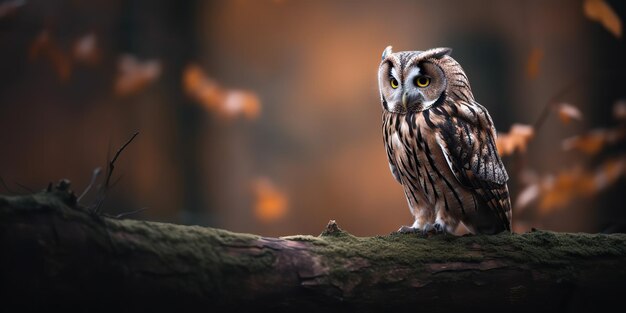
[[244, 102], [601, 12], [202, 88], [558, 191], [533, 63], [526, 196], [86, 49], [567, 112], [592, 142], [134, 75], [46, 47], [576, 183], [270, 203], [609, 172], [226, 102], [515, 140]]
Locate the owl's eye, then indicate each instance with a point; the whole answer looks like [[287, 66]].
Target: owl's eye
[[422, 81], [394, 83]]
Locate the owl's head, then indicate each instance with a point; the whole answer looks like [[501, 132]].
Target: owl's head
[[414, 81]]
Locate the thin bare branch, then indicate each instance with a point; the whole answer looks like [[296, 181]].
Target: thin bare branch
[[5, 186], [121, 215], [94, 176], [552, 102], [117, 154], [28, 189], [110, 169]]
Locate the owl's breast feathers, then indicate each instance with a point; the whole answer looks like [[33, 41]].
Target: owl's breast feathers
[[448, 154]]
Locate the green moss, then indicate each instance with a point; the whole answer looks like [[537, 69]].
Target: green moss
[[536, 247], [167, 244], [400, 249], [307, 238]]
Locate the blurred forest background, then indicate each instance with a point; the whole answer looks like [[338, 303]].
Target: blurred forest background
[[264, 116]]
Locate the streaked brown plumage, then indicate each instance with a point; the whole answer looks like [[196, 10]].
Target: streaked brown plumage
[[440, 144]]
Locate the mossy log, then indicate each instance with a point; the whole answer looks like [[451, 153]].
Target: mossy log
[[55, 254]]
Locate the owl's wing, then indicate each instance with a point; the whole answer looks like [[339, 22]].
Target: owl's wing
[[468, 142]]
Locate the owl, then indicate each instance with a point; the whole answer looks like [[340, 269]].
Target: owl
[[440, 144]]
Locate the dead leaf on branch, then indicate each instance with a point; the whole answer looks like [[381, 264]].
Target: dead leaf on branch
[[515, 140], [592, 142], [45, 46], [86, 49], [580, 183], [601, 12], [215, 98], [134, 75], [568, 112], [529, 194], [557, 191]]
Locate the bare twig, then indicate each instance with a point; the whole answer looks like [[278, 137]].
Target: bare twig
[[117, 154], [110, 169], [94, 177], [5, 186], [24, 187], [121, 215], [552, 102]]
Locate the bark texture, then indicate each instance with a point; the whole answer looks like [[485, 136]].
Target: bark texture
[[55, 254]]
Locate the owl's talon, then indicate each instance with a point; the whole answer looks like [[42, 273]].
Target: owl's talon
[[427, 229], [439, 228], [407, 230]]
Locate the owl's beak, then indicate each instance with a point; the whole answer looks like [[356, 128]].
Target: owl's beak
[[405, 100]]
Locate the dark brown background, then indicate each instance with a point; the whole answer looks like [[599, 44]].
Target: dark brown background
[[316, 141]]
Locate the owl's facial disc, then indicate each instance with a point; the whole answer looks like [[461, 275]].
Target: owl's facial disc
[[414, 88]]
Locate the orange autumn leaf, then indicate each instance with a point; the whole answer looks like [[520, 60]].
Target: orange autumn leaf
[[533, 63], [515, 140], [609, 172], [557, 192], [134, 75], [202, 88], [241, 102], [568, 112], [215, 98], [569, 185], [46, 47], [601, 12], [592, 142], [270, 203]]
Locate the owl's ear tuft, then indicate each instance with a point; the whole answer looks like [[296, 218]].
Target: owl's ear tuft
[[437, 53], [386, 52]]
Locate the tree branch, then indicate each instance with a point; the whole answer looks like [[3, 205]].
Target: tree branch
[[56, 254]]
